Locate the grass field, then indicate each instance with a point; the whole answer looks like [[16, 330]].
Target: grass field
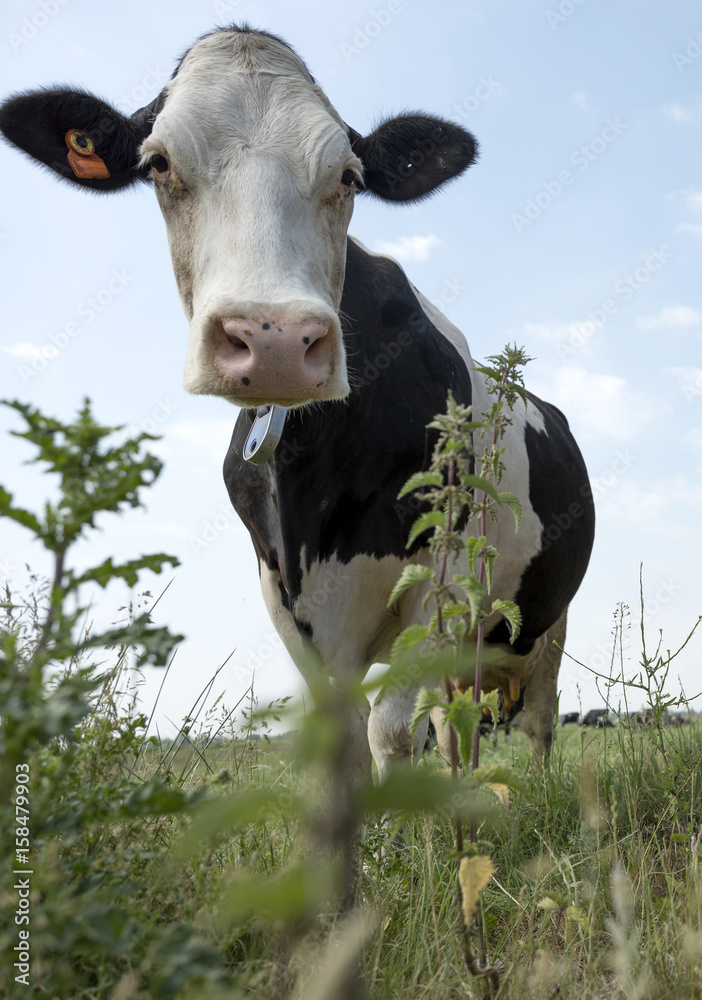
[[190, 871]]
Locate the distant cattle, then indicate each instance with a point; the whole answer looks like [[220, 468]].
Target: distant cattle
[[598, 718], [256, 175], [569, 718]]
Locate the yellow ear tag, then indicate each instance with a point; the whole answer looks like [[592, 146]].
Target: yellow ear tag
[[84, 161]]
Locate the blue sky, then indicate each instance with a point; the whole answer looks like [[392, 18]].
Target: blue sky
[[578, 234]]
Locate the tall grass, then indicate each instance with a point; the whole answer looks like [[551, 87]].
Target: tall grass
[[597, 891]]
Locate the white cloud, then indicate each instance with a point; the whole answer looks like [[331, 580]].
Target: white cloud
[[598, 404], [641, 504], [690, 379], [671, 317], [408, 247], [560, 332], [684, 115], [28, 352], [694, 200], [567, 339], [691, 198], [580, 100], [689, 227]]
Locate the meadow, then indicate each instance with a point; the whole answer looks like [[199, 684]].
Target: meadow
[[185, 869], [213, 866]]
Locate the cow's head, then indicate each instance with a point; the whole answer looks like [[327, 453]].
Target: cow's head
[[256, 174]]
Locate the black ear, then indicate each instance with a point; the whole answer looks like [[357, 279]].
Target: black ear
[[408, 157], [42, 122]]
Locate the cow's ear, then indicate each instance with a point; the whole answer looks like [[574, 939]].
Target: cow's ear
[[408, 157], [75, 134]]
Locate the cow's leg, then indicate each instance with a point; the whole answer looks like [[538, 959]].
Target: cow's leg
[[388, 730], [351, 713], [443, 732], [542, 689]]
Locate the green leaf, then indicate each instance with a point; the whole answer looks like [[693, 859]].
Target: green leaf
[[474, 593], [156, 643], [498, 774], [109, 927], [426, 700], [512, 501], [488, 372], [431, 519], [290, 895], [420, 480], [406, 641], [482, 484], [93, 477], [410, 575], [154, 797], [417, 791], [449, 610], [23, 517], [510, 611], [128, 571], [464, 715], [215, 818], [474, 546]]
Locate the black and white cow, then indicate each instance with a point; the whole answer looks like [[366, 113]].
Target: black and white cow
[[256, 175]]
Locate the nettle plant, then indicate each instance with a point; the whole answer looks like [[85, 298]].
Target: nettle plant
[[460, 485]]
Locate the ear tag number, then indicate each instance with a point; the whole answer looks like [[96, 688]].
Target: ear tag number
[[84, 161], [264, 434]]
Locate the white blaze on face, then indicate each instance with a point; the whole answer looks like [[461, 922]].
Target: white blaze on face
[[254, 174]]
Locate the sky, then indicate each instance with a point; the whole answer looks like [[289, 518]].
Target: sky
[[578, 235]]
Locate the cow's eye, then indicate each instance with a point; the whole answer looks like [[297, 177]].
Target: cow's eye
[[348, 177], [159, 164]]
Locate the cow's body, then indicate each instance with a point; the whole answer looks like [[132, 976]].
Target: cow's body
[[256, 174], [330, 533]]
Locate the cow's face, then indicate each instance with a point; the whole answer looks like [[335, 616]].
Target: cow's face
[[255, 176], [255, 173]]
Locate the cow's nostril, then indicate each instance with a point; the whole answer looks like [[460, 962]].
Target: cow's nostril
[[318, 350], [236, 342]]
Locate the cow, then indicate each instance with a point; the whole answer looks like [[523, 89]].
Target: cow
[[570, 718], [337, 362]]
